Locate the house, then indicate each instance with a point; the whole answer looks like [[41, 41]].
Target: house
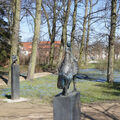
[[42, 52], [26, 47], [97, 51]]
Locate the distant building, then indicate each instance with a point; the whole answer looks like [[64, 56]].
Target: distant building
[[26, 47], [97, 51], [42, 53]]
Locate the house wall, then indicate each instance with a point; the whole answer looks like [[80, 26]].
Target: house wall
[[42, 53]]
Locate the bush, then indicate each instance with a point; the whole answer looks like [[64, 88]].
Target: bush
[[45, 68], [4, 57], [101, 65], [117, 65]]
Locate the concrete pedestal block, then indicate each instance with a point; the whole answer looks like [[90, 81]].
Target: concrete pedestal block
[[67, 107], [15, 87]]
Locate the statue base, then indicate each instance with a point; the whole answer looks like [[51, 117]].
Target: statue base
[[15, 87], [67, 107]]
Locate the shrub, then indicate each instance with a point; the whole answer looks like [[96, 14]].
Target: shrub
[[101, 65], [117, 65]]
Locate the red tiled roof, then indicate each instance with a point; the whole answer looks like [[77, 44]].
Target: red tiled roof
[[27, 45], [42, 44]]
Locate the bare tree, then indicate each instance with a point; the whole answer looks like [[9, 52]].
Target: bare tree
[[52, 33], [31, 68], [74, 21], [88, 33], [83, 35], [15, 32], [110, 69], [64, 29]]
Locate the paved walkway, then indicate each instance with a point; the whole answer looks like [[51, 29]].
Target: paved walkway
[[34, 110]]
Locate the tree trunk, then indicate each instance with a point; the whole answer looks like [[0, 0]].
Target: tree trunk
[[74, 22], [80, 62], [31, 68], [51, 34], [88, 34], [65, 23], [64, 30], [52, 45], [61, 52], [15, 33], [110, 69]]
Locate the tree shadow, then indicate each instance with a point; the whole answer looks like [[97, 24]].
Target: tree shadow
[[96, 112], [114, 85], [2, 76], [3, 73], [4, 79], [23, 75], [88, 78], [84, 115], [8, 96]]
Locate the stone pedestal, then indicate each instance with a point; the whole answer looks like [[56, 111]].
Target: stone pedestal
[[67, 107], [15, 87]]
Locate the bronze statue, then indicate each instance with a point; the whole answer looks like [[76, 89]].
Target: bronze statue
[[14, 59], [67, 71]]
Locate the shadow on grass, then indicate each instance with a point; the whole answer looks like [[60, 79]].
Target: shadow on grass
[[24, 75], [114, 88], [88, 78], [83, 76], [4, 79], [2, 76], [8, 96], [3, 73], [115, 93], [114, 85]]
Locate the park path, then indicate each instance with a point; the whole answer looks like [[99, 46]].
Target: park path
[[34, 110]]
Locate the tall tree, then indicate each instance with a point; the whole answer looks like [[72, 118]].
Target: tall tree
[[64, 28], [4, 38], [110, 69], [37, 22], [52, 45], [52, 33], [88, 33], [15, 32], [74, 21], [80, 62]]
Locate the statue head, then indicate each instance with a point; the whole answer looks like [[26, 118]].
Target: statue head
[[14, 58], [68, 44]]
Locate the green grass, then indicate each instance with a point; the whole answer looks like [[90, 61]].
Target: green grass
[[102, 65], [45, 88], [23, 68], [3, 69], [96, 91]]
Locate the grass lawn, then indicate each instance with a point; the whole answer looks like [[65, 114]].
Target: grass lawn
[[45, 88], [23, 68]]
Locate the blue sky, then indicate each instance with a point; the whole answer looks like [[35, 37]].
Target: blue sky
[[26, 28], [25, 31]]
